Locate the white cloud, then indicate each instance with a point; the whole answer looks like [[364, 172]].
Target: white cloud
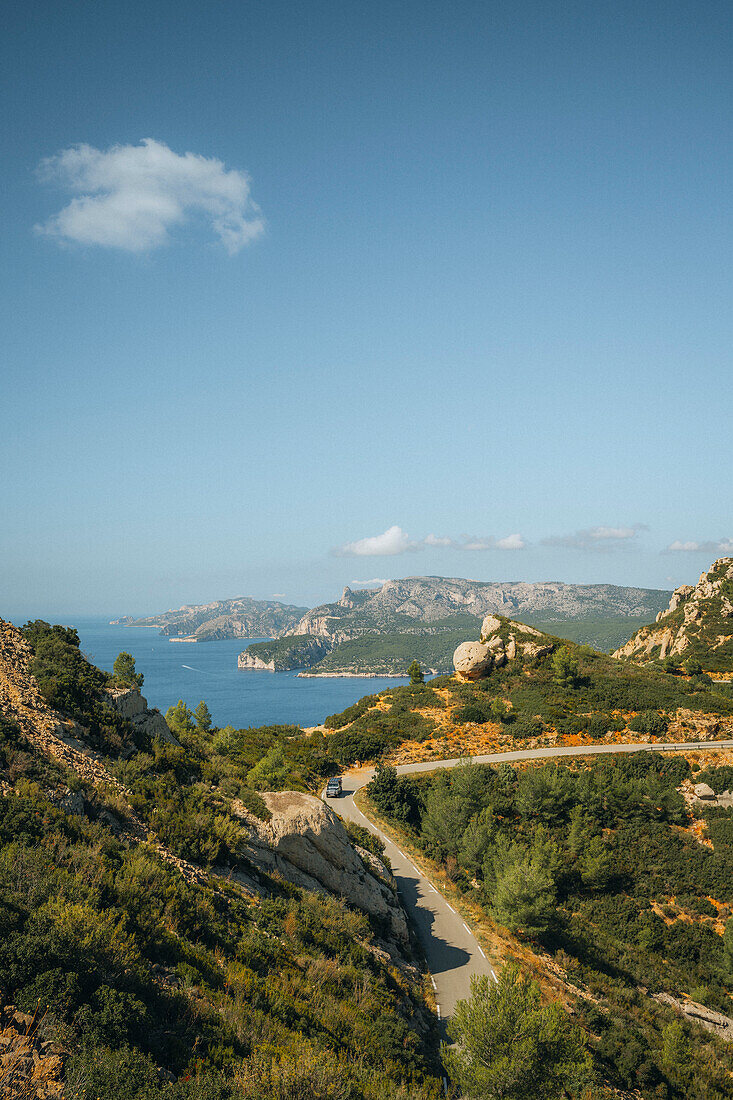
[[375, 582], [393, 541], [722, 546], [396, 541], [278, 595], [511, 542], [130, 196], [602, 537]]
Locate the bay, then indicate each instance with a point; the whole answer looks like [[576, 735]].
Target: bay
[[208, 670]]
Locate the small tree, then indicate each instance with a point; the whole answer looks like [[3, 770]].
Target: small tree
[[415, 673], [179, 719], [524, 897], [124, 669], [272, 772], [565, 667], [202, 716], [509, 1046], [389, 793]]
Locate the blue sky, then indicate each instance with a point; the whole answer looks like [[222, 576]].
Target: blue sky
[[438, 289]]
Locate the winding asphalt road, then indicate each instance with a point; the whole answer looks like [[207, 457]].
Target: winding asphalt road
[[452, 952]]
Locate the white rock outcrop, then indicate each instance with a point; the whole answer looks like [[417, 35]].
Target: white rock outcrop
[[130, 704], [306, 843], [501, 641]]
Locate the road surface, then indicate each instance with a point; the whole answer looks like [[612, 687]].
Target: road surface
[[452, 952]]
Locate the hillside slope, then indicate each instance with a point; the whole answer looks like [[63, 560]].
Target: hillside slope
[[697, 625], [184, 936]]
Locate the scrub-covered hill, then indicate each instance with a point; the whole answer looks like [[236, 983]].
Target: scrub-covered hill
[[169, 928], [696, 630], [519, 687]]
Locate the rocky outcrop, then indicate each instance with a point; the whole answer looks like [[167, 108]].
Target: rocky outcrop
[[31, 1059], [306, 843], [697, 624], [130, 704], [473, 660], [713, 1021], [501, 640]]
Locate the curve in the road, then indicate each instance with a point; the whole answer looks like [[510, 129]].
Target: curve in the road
[[452, 952]]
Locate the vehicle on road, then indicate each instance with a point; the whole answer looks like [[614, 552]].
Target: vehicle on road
[[333, 787]]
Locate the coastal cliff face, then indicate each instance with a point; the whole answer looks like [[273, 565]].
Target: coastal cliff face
[[697, 625], [282, 655]]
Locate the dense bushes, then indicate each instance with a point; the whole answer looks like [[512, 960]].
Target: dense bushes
[[71, 684], [142, 970], [597, 863]]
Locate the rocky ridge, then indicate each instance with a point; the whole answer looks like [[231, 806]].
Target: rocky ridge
[[697, 624], [501, 640], [426, 602]]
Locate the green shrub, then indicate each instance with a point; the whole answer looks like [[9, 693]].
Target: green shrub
[[649, 721]]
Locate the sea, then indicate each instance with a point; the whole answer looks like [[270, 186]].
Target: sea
[[192, 671]]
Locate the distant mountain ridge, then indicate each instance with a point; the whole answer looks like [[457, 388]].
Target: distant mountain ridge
[[241, 617], [433, 604], [379, 632]]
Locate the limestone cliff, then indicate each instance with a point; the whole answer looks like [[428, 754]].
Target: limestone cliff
[[697, 625]]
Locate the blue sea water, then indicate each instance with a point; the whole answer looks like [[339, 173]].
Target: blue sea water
[[208, 670]]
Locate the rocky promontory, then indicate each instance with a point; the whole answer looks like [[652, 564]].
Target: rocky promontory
[[305, 843], [501, 640], [697, 626]]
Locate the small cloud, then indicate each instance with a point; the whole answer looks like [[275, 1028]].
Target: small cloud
[[375, 582], [722, 546], [511, 542], [130, 196], [278, 595], [396, 541], [474, 543], [601, 537], [393, 541]]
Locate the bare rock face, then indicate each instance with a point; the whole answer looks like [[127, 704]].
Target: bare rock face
[[502, 640], [130, 704], [473, 660], [306, 843]]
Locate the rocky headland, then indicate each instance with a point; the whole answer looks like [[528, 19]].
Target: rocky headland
[[696, 626]]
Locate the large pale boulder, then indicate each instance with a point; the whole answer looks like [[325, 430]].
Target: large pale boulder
[[472, 660], [306, 843]]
